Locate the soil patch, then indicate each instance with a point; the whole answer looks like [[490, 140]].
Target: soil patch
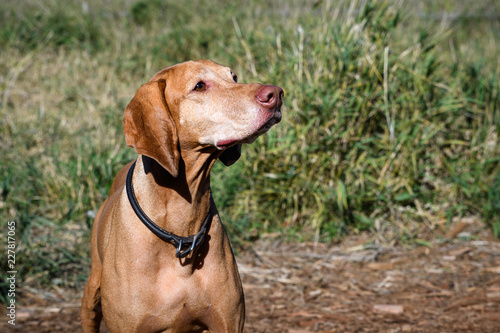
[[357, 286]]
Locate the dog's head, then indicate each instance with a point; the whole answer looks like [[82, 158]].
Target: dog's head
[[198, 105]]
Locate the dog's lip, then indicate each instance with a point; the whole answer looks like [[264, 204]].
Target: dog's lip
[[224, 144], [274, 118], [277, 115]]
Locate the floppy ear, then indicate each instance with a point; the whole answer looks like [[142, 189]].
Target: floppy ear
[[150, 128], [230, 155]]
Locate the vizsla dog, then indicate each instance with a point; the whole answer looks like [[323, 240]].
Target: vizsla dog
[[161, 259]]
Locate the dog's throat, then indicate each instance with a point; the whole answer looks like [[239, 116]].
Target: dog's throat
[[184, 245]]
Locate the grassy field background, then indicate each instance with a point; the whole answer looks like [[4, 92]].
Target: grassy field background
[[391, 119]]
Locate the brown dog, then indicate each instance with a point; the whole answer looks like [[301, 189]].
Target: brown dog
[[161, 259]]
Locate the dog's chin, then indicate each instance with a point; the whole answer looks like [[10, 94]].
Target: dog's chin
[[273, 119]]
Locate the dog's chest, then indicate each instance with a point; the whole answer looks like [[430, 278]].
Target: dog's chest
[[164, 303]]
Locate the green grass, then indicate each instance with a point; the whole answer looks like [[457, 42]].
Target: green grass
[[391, 117]]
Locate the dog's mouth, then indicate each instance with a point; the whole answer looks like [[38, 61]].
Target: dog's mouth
[[224, 144], [273, 119]]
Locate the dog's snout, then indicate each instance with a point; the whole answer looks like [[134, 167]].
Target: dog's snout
[[270, 96]]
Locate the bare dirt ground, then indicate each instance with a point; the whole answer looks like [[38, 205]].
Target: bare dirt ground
[[355, 286]]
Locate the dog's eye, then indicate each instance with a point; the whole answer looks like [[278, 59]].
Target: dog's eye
[[200, 86]]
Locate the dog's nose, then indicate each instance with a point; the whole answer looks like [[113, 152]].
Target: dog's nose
[[270, 96]]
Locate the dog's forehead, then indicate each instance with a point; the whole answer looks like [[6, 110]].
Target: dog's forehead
[[215, 67], [190, 68], [188, 71]]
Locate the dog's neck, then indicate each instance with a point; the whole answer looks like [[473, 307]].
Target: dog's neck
[[180, 203]]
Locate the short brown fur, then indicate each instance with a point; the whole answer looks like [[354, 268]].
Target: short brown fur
[[136, 283]]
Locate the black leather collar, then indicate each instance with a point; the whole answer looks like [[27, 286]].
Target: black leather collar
[[184, 245]]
